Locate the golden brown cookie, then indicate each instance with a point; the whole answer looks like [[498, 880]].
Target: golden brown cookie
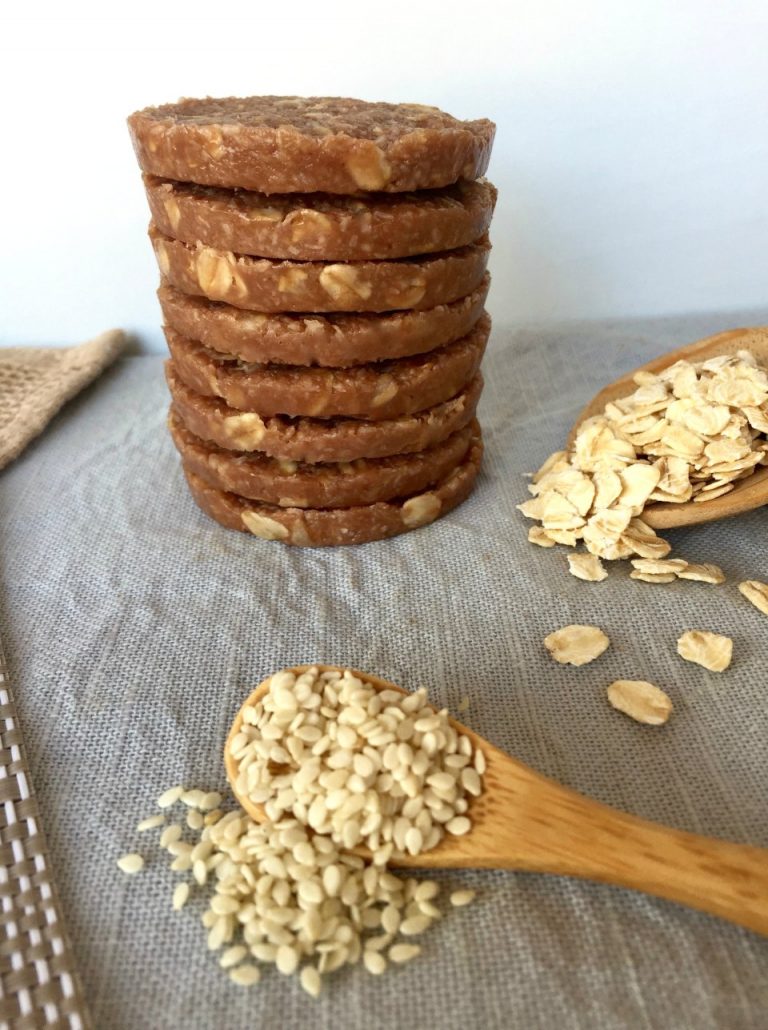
[[309, 144], [331, 527], [331, 340], [322, 227], [318, 439], [382, 390], [260, 284], [290, 484]]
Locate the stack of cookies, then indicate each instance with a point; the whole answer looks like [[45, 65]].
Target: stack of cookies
[[323, 287]]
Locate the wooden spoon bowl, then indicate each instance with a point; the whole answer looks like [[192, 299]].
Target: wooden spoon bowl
[[525, 821], [748, 493]]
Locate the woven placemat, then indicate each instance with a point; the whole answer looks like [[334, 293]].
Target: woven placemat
[[38, 983], [39, 986]]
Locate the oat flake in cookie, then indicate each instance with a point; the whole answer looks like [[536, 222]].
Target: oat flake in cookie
[[382, 390], [292, 484], [263, 285], [332, 527], [339, 340], [320, 439], [322, 227], [309, 144]]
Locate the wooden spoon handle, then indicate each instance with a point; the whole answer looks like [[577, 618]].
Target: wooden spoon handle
[[573, 835]]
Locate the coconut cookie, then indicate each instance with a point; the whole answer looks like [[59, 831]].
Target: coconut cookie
[[291, 484], [309, 144], [322, 227], [260, 284], [379, 391], [330, 527], [317, 439], [330, 340]]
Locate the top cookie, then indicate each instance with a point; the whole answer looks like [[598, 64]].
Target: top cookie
[[309, 144]]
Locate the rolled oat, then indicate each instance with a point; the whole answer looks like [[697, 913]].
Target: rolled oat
[[641, 701], [757, 593], [576, 645], [688, 433], [711, 650]]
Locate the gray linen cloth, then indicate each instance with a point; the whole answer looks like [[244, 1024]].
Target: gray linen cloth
[[134, 627]]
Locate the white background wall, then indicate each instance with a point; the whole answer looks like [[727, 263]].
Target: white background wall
[[631, 151]]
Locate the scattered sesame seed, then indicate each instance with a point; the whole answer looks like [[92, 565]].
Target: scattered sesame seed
[[245, 975], [462, 897], [311, 981], [131, 863], [169, 797], [180, 896], [150, 823]]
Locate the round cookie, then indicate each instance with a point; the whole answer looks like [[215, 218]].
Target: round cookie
[[309, 144], [317, 439], [331, 340], [260, 284], [329, 485], [332, 527], [383, 390], [322, 227]]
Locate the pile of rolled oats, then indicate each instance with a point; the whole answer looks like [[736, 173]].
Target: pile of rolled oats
[[686, 434]]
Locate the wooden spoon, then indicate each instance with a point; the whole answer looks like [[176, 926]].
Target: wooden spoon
[[748, 493], [525, 821]]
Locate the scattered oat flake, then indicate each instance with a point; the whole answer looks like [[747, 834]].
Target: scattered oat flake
[[659, 565], [653, 577], [576, 645], [757, 593], [641, 701], [539, 536], [711, 650], [702, 573], [587, 567]]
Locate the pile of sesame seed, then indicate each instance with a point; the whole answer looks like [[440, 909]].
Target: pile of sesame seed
[[360, 765], [281, 895], [322, 751]]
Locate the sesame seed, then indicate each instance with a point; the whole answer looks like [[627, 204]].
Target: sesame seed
[[458, 826], [169, 835], [151, 823], [131, 863], [180, 896], [374, 962], [287, 959], [462, 897], [415, 925], [311, 981], [245, 975], [400, 953], [194, 819], [169, 797], [232, 956]]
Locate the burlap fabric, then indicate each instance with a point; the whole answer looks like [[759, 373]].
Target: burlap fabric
[[135, 626], [36, 381]]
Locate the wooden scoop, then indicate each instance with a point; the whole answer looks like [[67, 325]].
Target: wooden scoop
[[748, 493], [525, 821]]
